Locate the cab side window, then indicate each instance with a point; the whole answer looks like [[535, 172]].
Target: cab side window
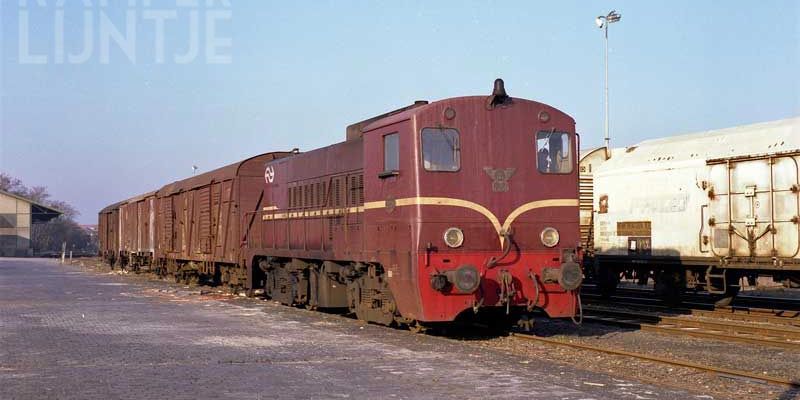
[[553, 152], [391, 153], [441, 149]]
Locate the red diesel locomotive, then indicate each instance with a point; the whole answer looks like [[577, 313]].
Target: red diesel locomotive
[[422, 215]]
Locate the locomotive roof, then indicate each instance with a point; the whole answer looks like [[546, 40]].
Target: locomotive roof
[[762, 138], [408, 112]]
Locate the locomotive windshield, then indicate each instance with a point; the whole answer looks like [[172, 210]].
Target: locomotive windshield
[[553, 152], [441, 150]]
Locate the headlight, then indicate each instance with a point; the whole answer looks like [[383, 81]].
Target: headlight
[[453, 237], [549, 237]]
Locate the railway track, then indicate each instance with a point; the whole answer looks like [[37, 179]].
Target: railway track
[[742, 300], [745, 314], [731, 331], [740, 374], [778, 311], [677, 362]]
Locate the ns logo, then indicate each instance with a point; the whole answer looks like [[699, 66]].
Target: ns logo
[[269, 174]]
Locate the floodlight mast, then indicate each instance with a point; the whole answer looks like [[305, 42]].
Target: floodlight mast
[[602, 22]]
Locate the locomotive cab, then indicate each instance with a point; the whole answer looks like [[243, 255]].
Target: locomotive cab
[[471, 203]]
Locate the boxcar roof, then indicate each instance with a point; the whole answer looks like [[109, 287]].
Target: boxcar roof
[[112, 207], [220, 174], [779, 136], [140, 197]]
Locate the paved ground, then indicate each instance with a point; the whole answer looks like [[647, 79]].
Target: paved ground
[[68, 333]]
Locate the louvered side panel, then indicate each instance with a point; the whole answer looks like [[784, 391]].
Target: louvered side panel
[[204, 220], [168, 216]]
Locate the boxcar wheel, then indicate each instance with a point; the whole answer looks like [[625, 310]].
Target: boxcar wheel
[[731, 290], [669, 286], [607, 281], [724, 300]]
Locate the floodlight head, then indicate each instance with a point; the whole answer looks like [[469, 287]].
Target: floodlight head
[[613, 17], [600, 21]]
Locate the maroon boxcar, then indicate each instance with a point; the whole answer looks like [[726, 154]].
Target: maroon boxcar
[[199, 221], [108, 231], [137, 231]]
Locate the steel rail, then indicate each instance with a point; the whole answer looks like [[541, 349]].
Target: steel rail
[[733, 327], [749, 316], [775, 317], [765, 302], [681, 363], [696, 332], [753, 314]]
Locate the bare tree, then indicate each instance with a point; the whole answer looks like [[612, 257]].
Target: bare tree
[[12, 185], [48, 237], [38, 194], [67, 209]]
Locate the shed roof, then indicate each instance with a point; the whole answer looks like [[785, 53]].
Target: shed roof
[[39, 211]]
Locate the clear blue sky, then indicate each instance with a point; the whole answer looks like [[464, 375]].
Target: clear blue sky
[[96, 132]]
